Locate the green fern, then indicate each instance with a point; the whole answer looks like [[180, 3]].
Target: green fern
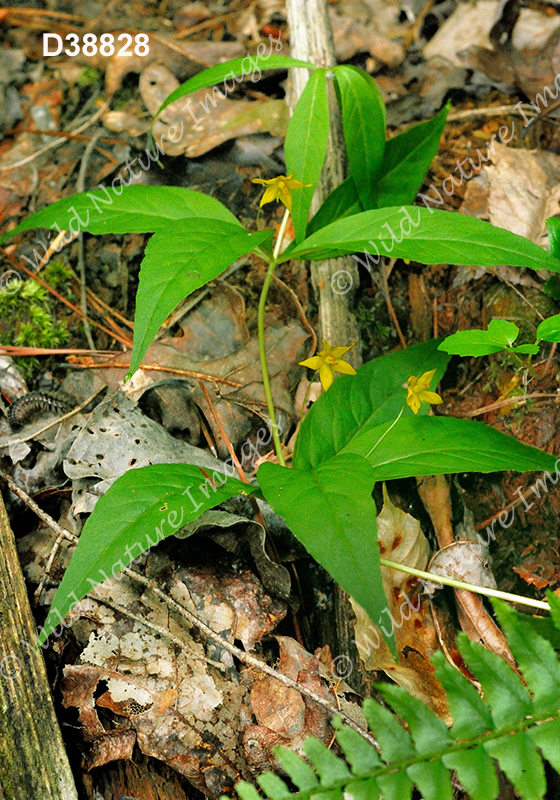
[[516, 723]]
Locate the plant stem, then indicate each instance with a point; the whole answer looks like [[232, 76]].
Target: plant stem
[[430, 576], [262, 349]]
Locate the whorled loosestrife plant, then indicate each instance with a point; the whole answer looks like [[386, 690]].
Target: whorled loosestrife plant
[[359, 431]]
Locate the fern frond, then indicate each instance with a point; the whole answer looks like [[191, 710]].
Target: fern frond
[[516, 723]]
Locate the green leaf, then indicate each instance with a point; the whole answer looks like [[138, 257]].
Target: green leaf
[[331, 770], [138, 209], [396, 786], [331, 512], [547, 738], [508, 698], [425, 235], [432, 779], [441, 445], [246, 791], [499, 336], [429, 733], [535, 656], [363, 120], [306, 145], [273, 786], [373, 396], [394, 741], [297, 770], [552, 286], [553, 226], [471, 715], [475, 769], [519, 759], [406, 161], [341, 202], [362, 790], [150, 501], [241, 68], [554, 602], [177, 263], [545, 627], [549, 329], [526, 349], [359, 753]]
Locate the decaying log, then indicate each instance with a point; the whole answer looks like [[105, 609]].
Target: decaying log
[[33, 760], [311, 40]]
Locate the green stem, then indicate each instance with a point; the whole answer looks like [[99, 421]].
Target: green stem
[[262, 349], [430, 576]]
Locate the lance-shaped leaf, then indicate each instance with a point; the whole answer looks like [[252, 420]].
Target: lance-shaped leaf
[[363, 120], [440, 445], [177, 263], [139, 510], [236, 70], [332, 513], [135, 209], [425, 235], [406, 160], [341, 202], [549, 329], [374, 395], [306, 145]]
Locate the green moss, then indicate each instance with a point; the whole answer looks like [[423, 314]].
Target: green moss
[[28, 316]]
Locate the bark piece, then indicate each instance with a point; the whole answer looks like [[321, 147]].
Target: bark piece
[[33, 761]]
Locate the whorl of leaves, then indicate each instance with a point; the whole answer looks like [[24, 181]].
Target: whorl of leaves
[[516, 724]]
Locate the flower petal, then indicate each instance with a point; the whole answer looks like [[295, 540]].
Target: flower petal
[[261, 180], [270, 195], [315, 362], [338, 352], [413, 401], [411, 383], [344, 367], [430, 397], [326, 376], [285, 197], [427, 377], [326, 351]]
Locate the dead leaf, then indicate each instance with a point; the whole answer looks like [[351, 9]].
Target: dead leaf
[[206, 118]]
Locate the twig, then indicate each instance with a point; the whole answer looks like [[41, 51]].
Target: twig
[[241, 655], [550, 357], [79, 137], [223, 433], [492, 111], [414, 30], [80, 186], [172, 370], [385, 271], [57, 142], [520, 399]]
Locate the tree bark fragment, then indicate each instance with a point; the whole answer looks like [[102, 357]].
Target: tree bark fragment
[[33, 759]]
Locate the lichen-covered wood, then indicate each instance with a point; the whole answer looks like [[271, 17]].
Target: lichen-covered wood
[[33, 761], [311, 40]]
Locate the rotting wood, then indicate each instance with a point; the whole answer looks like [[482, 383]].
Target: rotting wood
[[33, 760], [311, 40]]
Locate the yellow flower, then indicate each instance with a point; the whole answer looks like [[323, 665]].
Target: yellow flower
[[418, 391], [329, 361], [280, 188]]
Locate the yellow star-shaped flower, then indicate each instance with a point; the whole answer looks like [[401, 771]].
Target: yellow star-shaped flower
[[329, 361], [418, 391], [280, 188]]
